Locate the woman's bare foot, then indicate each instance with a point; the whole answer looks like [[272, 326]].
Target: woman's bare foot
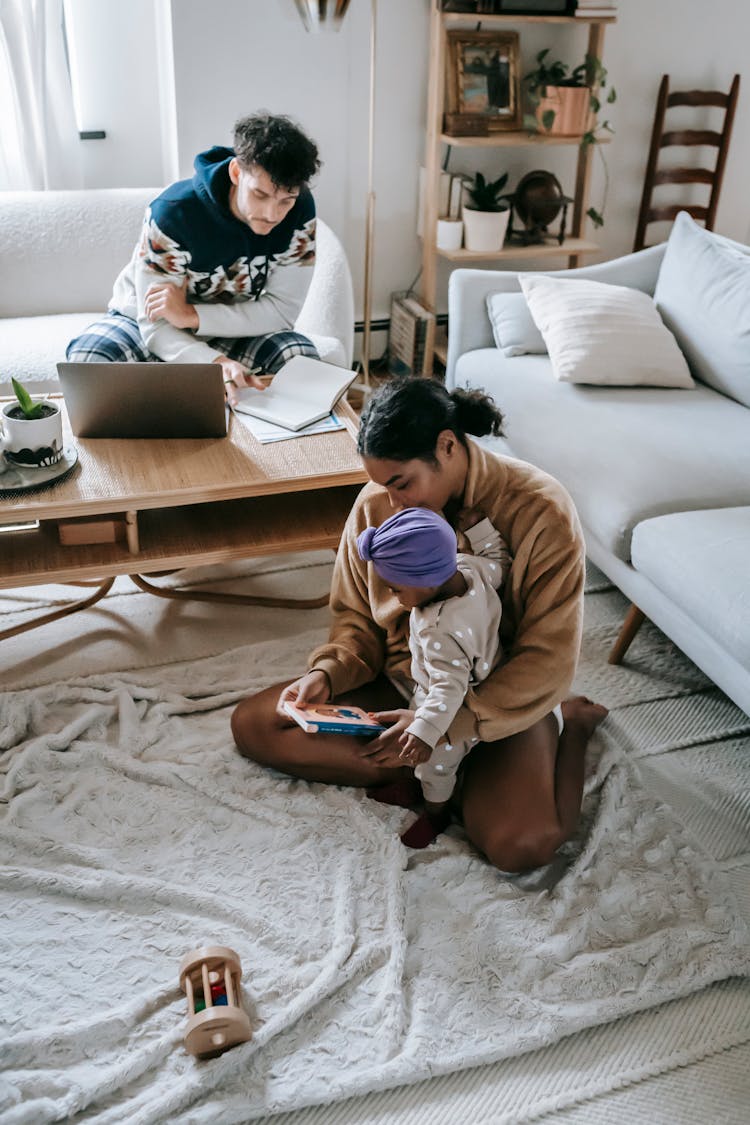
[[581, 718], [582, 713]]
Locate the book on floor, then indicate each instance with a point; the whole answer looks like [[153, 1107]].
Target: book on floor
[[330, 718], [303, 391], [411, 336]]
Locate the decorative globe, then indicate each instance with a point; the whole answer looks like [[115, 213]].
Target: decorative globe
[[537, 201]]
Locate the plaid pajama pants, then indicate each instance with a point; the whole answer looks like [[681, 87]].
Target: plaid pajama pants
[[117, 339]]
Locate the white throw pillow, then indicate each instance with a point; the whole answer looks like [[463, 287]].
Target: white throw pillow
[[703, 293], [608, 335], [513, 325]]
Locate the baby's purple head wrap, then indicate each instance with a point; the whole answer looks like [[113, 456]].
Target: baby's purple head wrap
[[416, 547]]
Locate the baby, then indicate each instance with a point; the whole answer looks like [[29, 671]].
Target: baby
[[454, 638]]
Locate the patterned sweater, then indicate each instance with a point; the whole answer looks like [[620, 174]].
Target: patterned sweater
[[242, 283], [542, 601]]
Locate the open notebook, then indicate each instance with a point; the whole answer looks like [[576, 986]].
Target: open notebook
[[302, 392]]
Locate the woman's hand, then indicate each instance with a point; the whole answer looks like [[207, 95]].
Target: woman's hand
[[414, 750], [236, 377], [313, 687], [385, 750]]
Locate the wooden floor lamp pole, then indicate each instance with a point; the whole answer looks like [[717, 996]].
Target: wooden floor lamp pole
[[370, 214]]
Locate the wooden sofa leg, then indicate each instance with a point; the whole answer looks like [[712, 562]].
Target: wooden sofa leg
[[630, 626]]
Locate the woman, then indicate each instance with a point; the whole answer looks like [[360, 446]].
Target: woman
[[521, 786]]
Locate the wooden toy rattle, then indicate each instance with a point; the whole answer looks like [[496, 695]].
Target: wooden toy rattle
[[210, 978]]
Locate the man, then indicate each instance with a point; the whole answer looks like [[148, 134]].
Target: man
[[223, 264]]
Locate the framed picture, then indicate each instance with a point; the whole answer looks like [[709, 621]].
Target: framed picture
[[483, 76]]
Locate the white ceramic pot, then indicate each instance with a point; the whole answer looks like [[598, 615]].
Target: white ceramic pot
[[450, 234], [33, 442], [484, 231]]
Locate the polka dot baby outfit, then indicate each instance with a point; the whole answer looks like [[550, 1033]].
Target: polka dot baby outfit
[[454, 645]]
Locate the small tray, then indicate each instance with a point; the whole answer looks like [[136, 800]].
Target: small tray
[[20, 478]]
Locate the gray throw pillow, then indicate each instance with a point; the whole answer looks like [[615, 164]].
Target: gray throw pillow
[[513, 325]]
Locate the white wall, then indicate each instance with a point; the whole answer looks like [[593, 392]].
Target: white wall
[[701, 46], [115, 60], [234, 56]]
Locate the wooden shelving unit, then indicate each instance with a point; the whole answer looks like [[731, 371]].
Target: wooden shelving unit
[[503, 140], [576, 244], [570, 246]]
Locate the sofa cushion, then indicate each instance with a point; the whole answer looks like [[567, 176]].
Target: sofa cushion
[[624, 453], [513, 325], [701, 561], [703, 294], [589, 328], [31, 346]]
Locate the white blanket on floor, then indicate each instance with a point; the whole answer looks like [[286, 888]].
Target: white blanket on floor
[[131, 831]]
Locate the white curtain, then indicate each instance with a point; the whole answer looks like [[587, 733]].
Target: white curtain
[[39, 143]]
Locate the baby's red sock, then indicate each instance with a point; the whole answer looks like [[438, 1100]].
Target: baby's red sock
[[406, 793], [425, 829]]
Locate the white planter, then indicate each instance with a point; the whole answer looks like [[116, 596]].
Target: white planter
[[484, 231], [450, 234], [33, 442]]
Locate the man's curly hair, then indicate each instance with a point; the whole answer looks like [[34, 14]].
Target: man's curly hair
[[279, 146]]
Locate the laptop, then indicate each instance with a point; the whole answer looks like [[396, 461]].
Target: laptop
[[144, 400]]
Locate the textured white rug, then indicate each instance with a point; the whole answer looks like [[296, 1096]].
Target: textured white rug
[[131, 831]]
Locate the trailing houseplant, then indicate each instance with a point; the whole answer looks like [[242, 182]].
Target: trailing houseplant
[[486, 213], [563, 100]]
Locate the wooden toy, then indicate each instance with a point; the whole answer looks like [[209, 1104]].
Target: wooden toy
[[210, 978]]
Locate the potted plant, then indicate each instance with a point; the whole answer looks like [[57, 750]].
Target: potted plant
[[564, 101], [485, 214], [31, 431]]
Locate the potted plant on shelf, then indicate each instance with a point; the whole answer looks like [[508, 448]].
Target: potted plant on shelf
[[564, 101], [485, 214], [31, 431]]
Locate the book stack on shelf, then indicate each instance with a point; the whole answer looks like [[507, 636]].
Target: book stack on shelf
[[595, 9], [411, 338]]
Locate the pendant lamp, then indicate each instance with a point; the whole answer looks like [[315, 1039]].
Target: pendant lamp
[[322, 15], [326, 15]]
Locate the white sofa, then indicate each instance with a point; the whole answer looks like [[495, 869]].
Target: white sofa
[[661, 477], [60, 252]]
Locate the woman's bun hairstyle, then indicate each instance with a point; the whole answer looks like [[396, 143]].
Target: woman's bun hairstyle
[[405, 416]]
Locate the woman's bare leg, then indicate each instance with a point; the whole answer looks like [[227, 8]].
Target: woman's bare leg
[[261, 734], [521, 796]]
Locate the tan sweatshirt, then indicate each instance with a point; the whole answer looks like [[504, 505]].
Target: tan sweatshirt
[[542, 618]]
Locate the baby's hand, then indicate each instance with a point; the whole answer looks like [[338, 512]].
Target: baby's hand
[[468, 517], [413, 749]]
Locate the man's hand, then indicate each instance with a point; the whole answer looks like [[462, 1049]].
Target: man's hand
[[313, 687], [468, 517], [169, 302], [385, 750], [414, 750], [236, 377]]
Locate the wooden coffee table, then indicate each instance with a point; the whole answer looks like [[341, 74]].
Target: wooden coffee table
[[183, 502]]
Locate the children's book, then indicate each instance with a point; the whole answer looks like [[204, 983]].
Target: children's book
[[330, 718], [303, 391]]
